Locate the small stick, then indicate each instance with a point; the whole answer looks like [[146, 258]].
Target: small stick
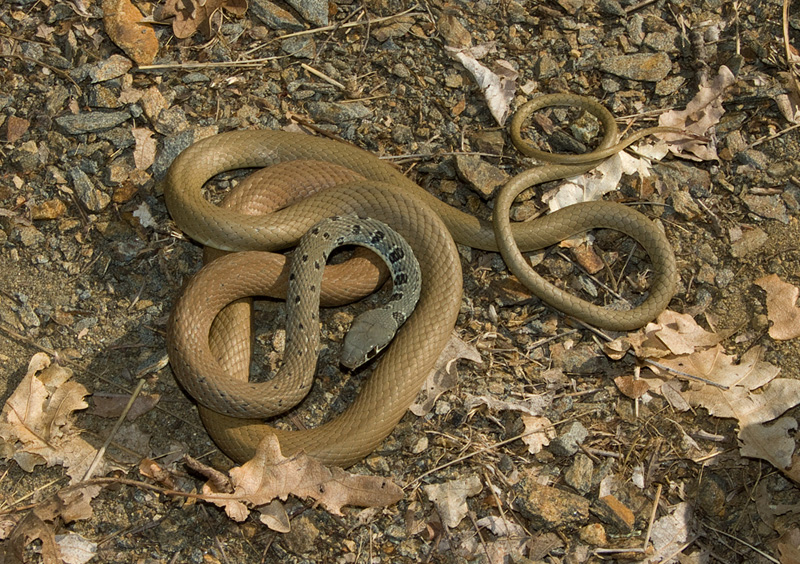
[[323, 76], [410, 12]]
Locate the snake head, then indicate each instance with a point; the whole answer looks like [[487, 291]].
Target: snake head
[[369, 334]]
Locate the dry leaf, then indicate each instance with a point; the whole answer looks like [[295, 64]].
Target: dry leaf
[[670, 533], [76, 549], [270, 475], [75, 503], [782, 308], [122, 22], [632, 387], [31, 527], [501, 526], [444, 375], [774, 443], [534, 406], [144, 154], [498, 88], [789, 546], [702, 113], [748, 408], [274, 516], [714, 365], [36, 421], [538, 432], [450, 498], [680, 333], [112, 405], [191, 15]]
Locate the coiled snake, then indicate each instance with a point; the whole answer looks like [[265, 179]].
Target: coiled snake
[[427, 224]]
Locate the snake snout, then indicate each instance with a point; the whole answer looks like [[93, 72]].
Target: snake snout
[[369, 334]]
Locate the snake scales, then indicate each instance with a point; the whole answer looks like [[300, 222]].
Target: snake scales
[[427, 224]]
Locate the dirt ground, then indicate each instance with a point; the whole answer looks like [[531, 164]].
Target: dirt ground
[[91, 265]]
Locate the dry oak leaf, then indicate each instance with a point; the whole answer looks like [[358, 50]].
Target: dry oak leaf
[[679, 333], [713, 364], [444, 375], [32, 527], [702, 113], [123, 24], [538, 432], [144, 155], [753, 408], [450, 498], [36, 420], [782, 308], [191, 15], [270, 475]]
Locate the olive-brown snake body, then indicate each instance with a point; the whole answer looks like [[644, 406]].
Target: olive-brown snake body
[[424, 221]]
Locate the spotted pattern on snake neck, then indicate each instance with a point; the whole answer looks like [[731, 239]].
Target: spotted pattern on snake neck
[[372, 330]]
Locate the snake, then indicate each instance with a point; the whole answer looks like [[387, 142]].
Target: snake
[[431, 228], [369, 333]]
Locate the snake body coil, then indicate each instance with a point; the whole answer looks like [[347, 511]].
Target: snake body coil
[[425, 222]]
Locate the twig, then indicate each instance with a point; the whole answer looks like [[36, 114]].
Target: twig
[[686, 374], [409, 12], [323, 76], [491, 447], [652, 517], [102, 450], [737, 539], [214, 64], [771, 137]]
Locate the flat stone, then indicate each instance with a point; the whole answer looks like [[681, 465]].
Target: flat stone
[[88, 122], [333, 112], [567, 443], [750, 242], [613, 512], [93, 198], [302, 47], [112, 67], [482, 177], [644, 67], [770, 207], [274, 16], [579, 475], [547, 508], [313, 11]]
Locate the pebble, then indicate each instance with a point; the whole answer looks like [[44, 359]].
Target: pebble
[[566, 444], [711, 495], [579, 475], [313, 11], [770, 207], [611, 8], [274, 16], [301, 538], [302, 47], [482, 177], [546, 507], [28, 235], [613, 512], [491, 142], [112, 67], [88, 122], [594, 534], [51, 209], [333, 112], [750, 242], [94, 199], [642, 67]]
